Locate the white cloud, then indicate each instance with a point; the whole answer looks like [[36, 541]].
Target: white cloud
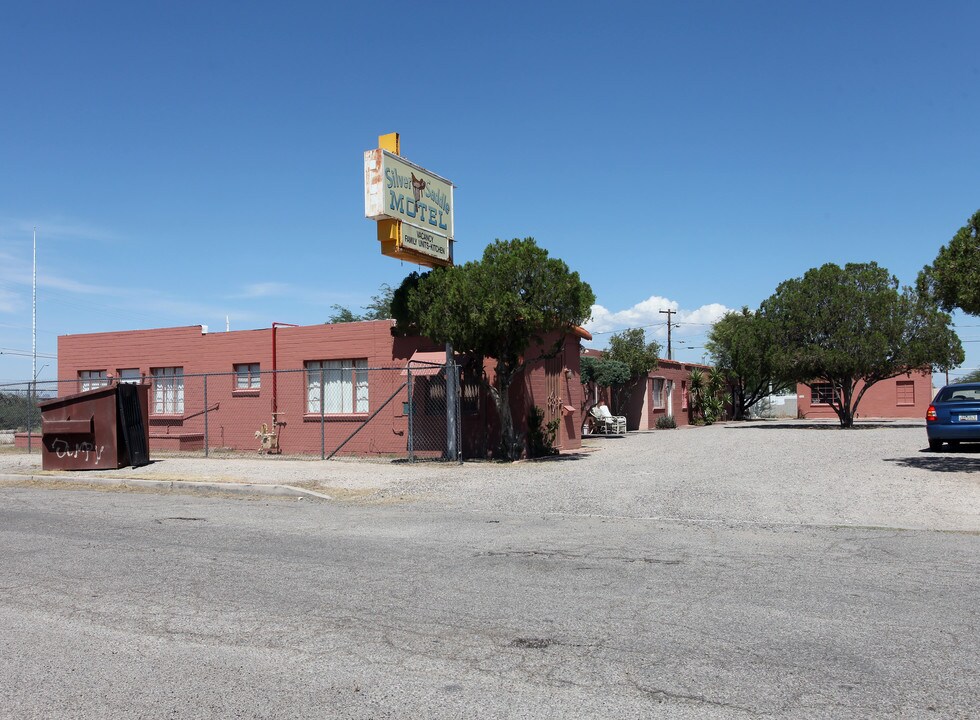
[[264, 289], [9, 302], [646, 314], [54, 229]]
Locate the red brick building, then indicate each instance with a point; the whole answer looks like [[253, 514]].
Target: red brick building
[[905, 396], [359, 366], [661, 392]]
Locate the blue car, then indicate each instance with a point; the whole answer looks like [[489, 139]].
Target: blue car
[[954, 416]]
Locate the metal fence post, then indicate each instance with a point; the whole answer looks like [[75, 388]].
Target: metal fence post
[[459, 414], [452, 402], [411, 417], [323, 423], [30, 418], [207, 447]]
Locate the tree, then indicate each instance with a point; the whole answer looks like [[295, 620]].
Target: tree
[[500, 307], [705, 391], [852, 326], [971, 377], [631, 348], [595, 372], [953, 279], [378, 309], [741, 347]]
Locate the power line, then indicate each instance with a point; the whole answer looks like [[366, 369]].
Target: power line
[[26, 353]]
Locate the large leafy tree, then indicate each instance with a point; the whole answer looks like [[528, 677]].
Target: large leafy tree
[[852, 326], [631, 348], [953, 279], [499, 307], [378, 309], [596, 372], [742, 349]]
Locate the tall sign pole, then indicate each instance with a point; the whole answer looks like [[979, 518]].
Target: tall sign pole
[[414, 209]]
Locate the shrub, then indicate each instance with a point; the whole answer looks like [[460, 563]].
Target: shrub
[[541, 435], [666, 422]]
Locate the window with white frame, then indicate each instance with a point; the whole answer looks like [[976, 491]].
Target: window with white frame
[[821, 394], [343, 384], [658, 392], [247, 376], [168, 390], [92, 379], [130, 375]]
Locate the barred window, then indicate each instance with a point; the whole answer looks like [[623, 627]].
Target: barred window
[[168, 390], [247, 376], [130, 375], [469, 397], [345, 386], [92, 379], [658, 392], [821, 394]]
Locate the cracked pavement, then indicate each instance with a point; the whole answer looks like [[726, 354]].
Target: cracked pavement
[[157, 605]]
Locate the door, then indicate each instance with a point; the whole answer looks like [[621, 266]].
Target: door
[[645, 411], [670, 397], [553, 386]]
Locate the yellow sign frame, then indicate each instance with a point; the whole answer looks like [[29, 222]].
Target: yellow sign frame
[[391, 233]]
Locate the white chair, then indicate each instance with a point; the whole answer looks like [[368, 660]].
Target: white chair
[[606, 423]]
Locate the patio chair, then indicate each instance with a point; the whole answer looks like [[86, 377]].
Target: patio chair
[[606, 423]]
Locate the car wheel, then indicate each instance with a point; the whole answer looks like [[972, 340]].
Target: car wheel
[[935, 445]]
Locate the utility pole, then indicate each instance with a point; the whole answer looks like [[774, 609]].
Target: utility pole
[[668, 313], [34, 314]]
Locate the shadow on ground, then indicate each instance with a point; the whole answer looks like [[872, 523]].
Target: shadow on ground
[[962, 460], [825, 426], [563, 457]]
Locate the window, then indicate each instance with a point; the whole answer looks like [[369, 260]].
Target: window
[[345, 386], [683, 394], [905, 392], [958, 394], [658, 392], [92, 379], [168, 390], [247, 376], [130, 375], [469, 396], [821, 394]]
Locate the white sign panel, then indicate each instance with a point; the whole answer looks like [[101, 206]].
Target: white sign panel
[[399, 190], [415, 238]]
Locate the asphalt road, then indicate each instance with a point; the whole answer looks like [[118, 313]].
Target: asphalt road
[[120, 605]]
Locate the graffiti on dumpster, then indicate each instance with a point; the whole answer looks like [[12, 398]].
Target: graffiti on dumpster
[[88, 450]]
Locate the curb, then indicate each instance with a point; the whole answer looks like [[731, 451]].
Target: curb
[[186, 485]]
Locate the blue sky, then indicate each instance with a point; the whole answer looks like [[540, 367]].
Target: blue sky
[[184, 162]]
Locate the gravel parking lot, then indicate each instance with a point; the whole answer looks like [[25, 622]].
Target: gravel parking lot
[[779, 569], [779, 472]]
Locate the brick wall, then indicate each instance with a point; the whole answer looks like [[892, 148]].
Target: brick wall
[[905, 396], [234, 415]]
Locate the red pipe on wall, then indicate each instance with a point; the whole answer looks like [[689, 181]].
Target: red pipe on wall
[[275, 403]]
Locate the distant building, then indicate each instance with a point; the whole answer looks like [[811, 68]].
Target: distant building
[[905, 396], [661, 392]]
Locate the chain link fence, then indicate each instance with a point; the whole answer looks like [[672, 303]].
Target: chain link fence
[[19, 413], [327, 409]]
